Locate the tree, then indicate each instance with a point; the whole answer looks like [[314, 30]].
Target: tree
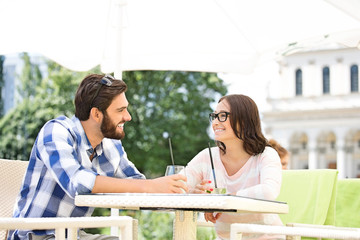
[[30, 78], [162, 104], [2, 59], [48, 98], [168, 104]]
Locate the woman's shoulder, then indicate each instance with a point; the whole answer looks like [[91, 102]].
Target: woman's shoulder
[[215, 151], [205, 154], [269, 150], [269, 153]]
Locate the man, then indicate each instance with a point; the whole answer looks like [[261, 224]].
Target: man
[[83, 155]]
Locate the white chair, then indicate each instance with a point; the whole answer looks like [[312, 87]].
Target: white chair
[[317, 231], [12, 173]]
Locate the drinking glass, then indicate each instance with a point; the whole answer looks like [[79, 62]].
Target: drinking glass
[[220, 182], [175, 169]]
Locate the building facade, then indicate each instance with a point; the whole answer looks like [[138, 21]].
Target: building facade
[[315, 110]]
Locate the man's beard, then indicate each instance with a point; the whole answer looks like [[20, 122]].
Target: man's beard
[[108, 129]]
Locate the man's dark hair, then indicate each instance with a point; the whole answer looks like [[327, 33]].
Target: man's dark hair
[[84, 98]]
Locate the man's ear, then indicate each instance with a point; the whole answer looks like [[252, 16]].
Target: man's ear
[[96, 114]]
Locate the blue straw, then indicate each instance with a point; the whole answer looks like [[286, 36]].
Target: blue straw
[[212, 166]]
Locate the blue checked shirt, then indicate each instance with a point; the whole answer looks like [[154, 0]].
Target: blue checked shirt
[[60, 168]]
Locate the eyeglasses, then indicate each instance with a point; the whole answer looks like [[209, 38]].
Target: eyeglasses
[[221, 116], [106, 80]]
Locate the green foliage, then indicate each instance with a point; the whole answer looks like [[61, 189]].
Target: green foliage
[[205, 233], [162, 104], [30, 78], [152, 225], [16, 127], [47, 99], [19, 128], [2, 59]]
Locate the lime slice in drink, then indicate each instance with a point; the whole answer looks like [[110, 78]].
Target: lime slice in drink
[[219, 191]]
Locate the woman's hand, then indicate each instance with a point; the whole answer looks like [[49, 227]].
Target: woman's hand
[[209, 216], [203, 187]]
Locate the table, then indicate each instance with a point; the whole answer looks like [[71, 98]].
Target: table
[[185, 206]]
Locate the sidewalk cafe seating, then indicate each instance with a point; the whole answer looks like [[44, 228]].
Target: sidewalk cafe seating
[[314, 231], [12, 173], [312, 197]]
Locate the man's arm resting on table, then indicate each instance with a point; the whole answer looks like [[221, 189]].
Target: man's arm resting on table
[[168, 184]]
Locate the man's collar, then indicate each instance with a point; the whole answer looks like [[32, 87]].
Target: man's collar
[[84, 143]]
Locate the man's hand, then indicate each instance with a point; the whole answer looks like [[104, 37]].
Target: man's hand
[[169, 184]]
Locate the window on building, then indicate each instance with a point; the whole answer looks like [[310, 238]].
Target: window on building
[[298, 82], [326, 80], [354, 78]]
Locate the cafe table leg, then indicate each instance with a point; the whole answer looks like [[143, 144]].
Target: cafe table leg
[[185, 225]]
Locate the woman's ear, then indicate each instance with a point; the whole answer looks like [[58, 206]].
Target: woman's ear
[[96, 114]]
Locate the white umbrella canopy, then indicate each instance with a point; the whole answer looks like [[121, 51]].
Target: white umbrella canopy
[[230, 36]]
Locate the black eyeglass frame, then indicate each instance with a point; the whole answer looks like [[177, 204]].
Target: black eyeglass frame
[[212, 116], [106, 80]]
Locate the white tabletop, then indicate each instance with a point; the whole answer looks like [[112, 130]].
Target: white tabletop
[[187, 202]]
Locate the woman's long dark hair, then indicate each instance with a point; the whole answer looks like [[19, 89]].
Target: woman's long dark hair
[[245, 122]]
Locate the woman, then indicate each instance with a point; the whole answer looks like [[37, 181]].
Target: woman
[[243, 161], [283, 153]]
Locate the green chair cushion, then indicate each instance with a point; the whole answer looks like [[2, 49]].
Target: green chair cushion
[[310, 195], [348, 203]]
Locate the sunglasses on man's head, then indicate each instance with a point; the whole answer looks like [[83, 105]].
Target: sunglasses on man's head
[[107, 81], [221, 116]]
